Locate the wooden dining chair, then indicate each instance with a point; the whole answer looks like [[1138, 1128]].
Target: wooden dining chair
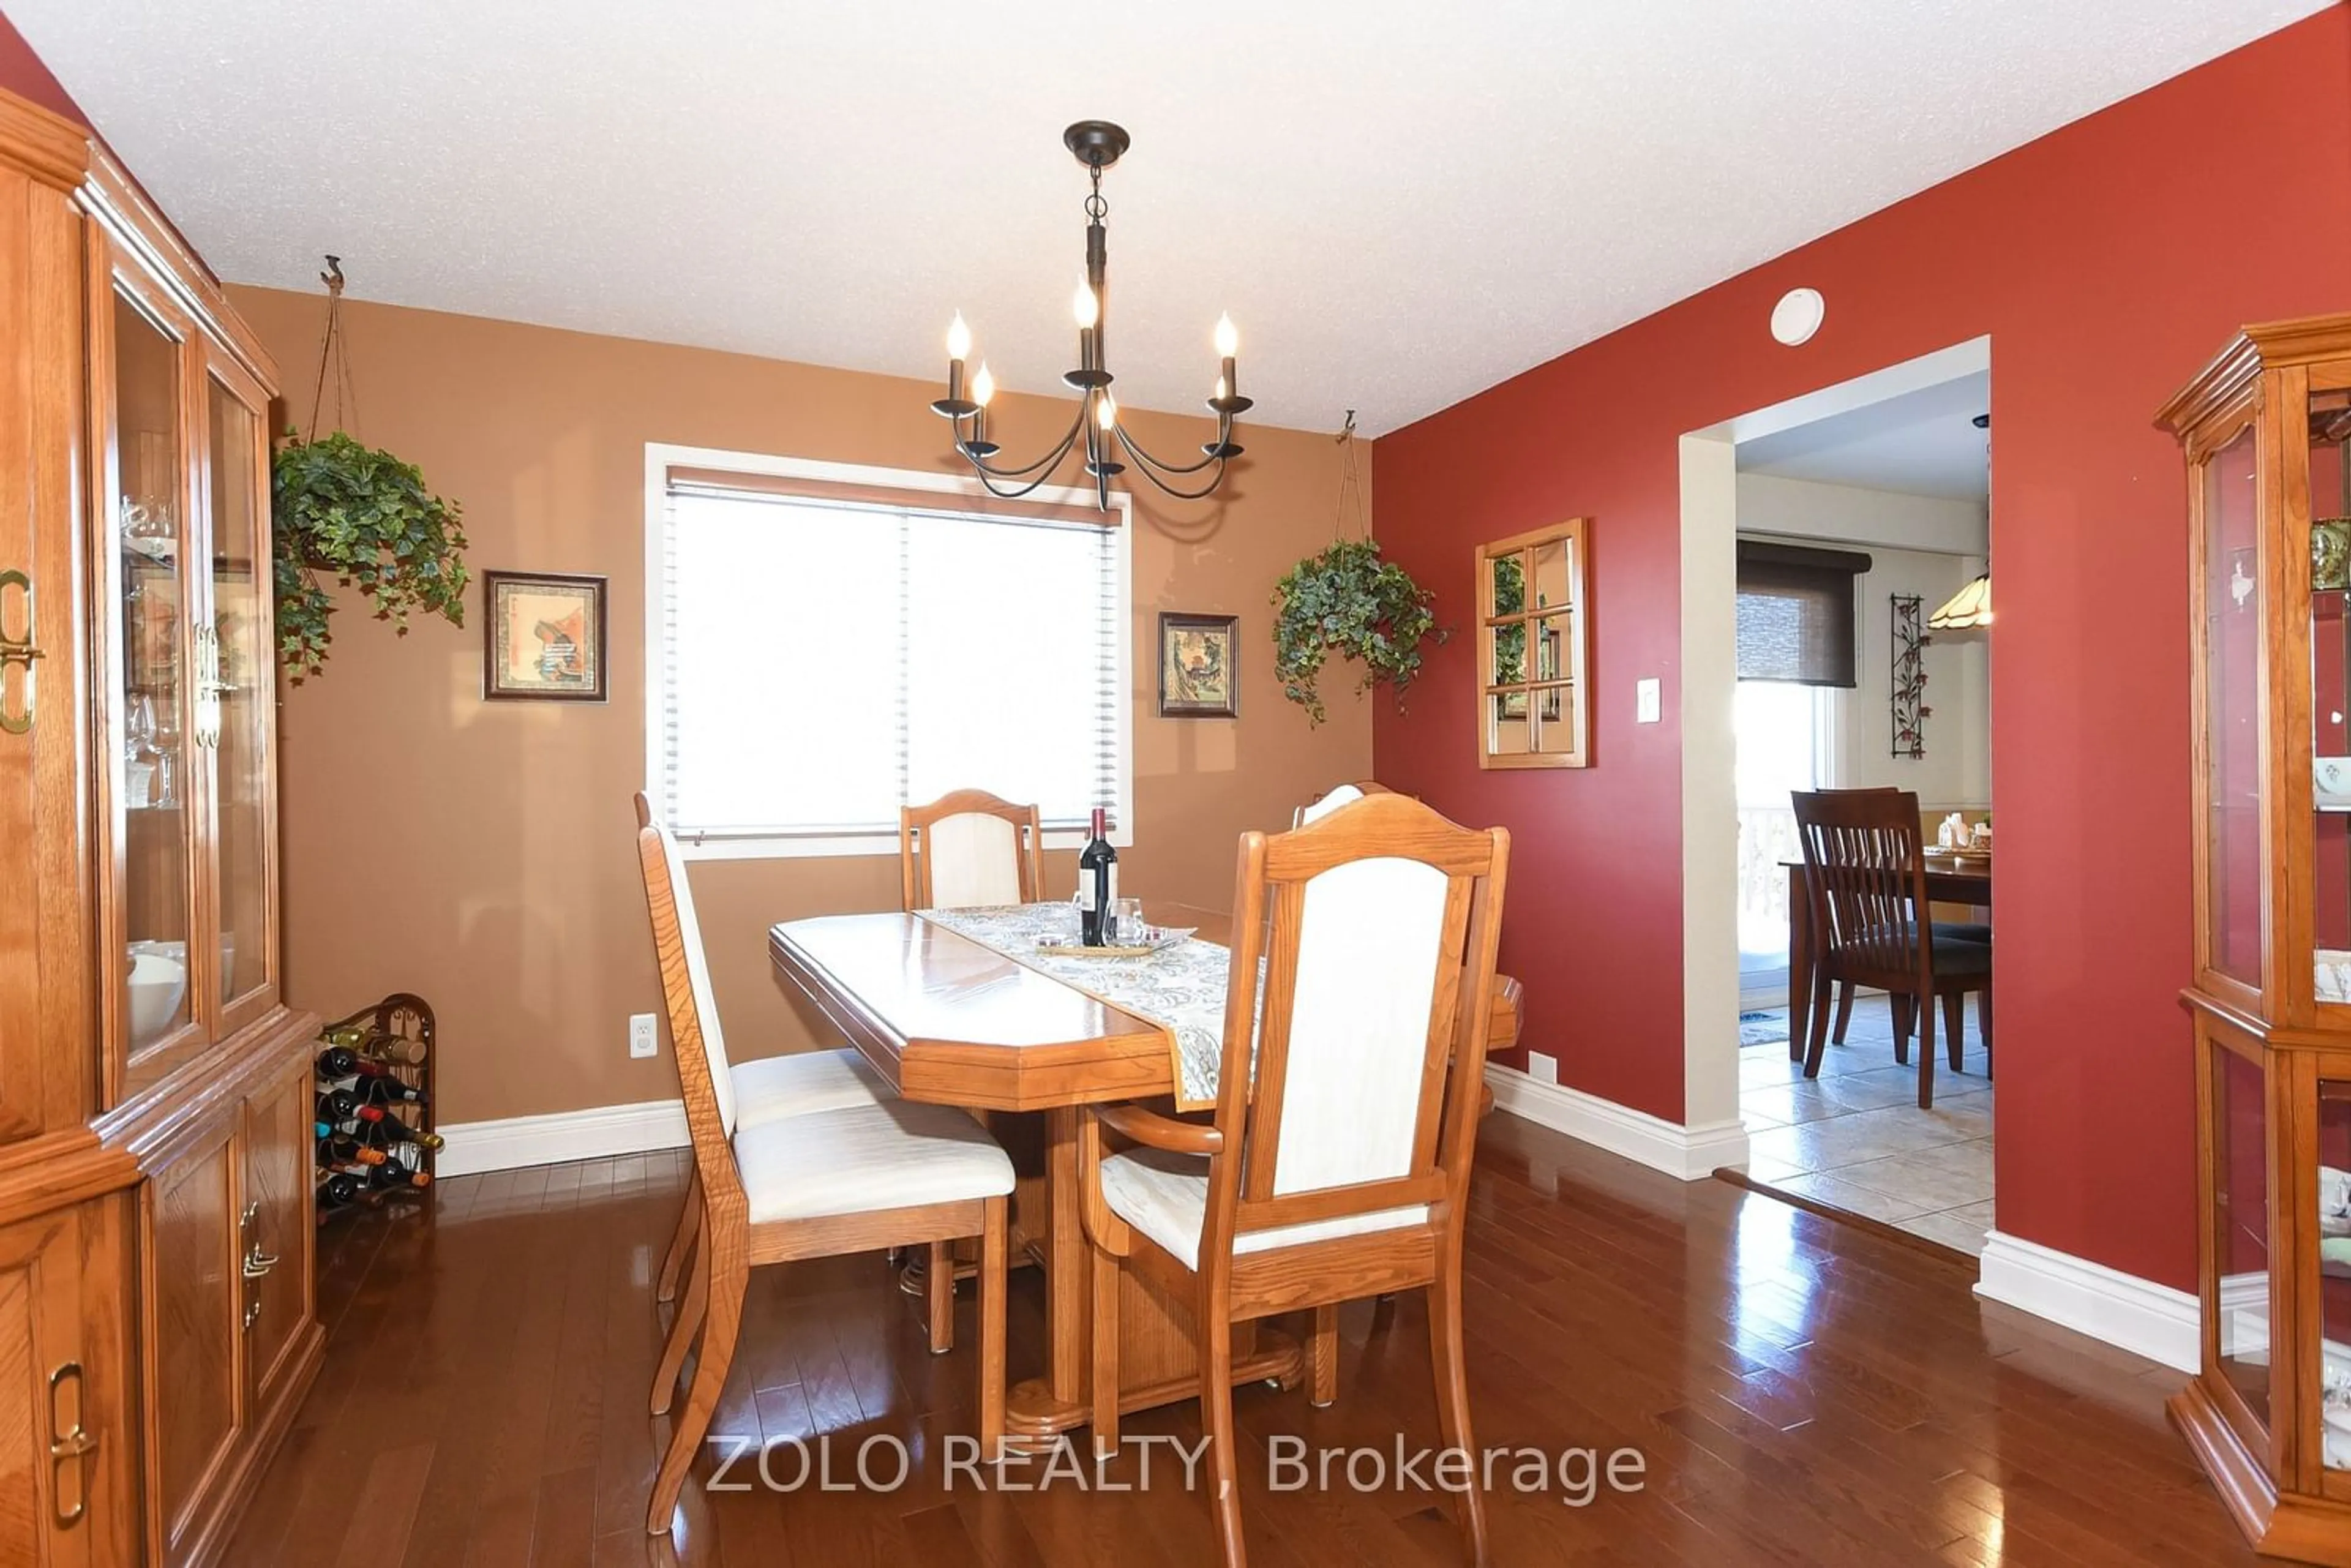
[[1342, 1169], [1331, 799], [969, 850], [1865, 873], [768, 1088], [855, 1179], [1945, 931]]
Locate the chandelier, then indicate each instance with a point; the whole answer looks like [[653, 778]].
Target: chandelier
[[1097, 145]]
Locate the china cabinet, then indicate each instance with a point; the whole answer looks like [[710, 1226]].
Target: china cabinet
[[2265, 428], [156, 1327]]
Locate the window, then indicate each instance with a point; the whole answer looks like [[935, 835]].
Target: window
[[1796, 613], [828, 643], [1532, 710]]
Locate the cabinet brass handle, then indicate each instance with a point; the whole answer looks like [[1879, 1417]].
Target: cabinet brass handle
[[17, 648], [209, 687], [68, 1446], [252, 1314], [258, 1262]]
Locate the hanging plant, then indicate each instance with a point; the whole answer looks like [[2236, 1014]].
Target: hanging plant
[[360, 516], [1349, 601]]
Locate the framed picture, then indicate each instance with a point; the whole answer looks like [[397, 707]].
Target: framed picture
[[1198, 677], [543, 636]]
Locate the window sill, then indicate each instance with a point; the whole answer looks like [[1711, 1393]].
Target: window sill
[[845, 846]]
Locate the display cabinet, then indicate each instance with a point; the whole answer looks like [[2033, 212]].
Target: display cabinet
[[153, 1086], [2265, 428]]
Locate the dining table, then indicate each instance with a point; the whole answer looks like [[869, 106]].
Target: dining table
[[1951, 878], [950, 1021]]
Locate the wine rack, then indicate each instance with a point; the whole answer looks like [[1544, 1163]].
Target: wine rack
[[395, 1038]]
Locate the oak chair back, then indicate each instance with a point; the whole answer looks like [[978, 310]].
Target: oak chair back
[[966, 849], [1383, 918], [704, 1074], [1339, 795]]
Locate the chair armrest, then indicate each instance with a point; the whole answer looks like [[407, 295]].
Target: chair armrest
[[1154, 1131]]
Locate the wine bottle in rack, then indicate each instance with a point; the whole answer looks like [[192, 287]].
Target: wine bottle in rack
[[342, 1105], [387, 1092], [395, 1050], [1097, 882], [342, 1149], [396, 1177], [391, 1131]]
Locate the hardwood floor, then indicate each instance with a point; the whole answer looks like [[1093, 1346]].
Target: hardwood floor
[[1802, 1393]]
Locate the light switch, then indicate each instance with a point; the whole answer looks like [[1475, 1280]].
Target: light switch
[[1645, 701]]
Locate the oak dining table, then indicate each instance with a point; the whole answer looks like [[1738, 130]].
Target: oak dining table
[[949, 1021]]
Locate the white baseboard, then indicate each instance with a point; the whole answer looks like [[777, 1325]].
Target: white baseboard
[[1692, 1154], [2138, 1315], [560, 1136]]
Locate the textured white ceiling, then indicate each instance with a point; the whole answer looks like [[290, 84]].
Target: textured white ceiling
[[1920, 443], [1399, 203]]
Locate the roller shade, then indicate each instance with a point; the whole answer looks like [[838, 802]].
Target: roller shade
[[1796, 613]]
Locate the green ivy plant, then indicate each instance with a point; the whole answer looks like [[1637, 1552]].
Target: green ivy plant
[[1349, 601], [365, 518]]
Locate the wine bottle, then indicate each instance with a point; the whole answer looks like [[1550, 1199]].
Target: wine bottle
[[342, 1149], [393, 1051], [390, 1130], [1097, 882], [341, 1105], [338, 1189], [387, 1092], [392, 1176], [340, 1064]]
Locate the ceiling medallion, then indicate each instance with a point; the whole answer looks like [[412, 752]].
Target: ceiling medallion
[[1097, 145]]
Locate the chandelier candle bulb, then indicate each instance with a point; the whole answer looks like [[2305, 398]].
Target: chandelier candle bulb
[[955, 405], [983, 388]]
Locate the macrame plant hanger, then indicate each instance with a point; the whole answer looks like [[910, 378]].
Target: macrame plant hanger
[[335, 350], [1351, 484]]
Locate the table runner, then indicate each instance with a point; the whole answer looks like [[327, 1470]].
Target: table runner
[[1181, 988]]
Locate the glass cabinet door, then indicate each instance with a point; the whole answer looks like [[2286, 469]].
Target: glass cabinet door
[[236, 692], [147, 498], [2329, 478], [2231, 629]]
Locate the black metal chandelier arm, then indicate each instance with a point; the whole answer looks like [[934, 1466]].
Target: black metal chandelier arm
[[1202, 494], [1136, 450], [994, 480], [1046, 464]]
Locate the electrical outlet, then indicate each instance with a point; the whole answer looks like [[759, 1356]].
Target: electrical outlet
[[1646, 701], [1542, 1069], [644, 1039]]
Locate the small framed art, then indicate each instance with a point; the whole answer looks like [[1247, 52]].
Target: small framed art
[[543, 636], [1199, 672]]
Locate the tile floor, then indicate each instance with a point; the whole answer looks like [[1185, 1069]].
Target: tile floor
[[1855, 1138]]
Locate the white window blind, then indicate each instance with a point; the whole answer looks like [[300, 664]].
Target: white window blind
[[824, 661]]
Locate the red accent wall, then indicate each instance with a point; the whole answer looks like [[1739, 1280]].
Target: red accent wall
[[2107, 261], [22, 73]]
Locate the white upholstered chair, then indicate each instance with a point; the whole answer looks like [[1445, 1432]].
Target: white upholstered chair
[[766, 1089], [966, 849], [1343, 1172], [861, 1176], [1337, 796]]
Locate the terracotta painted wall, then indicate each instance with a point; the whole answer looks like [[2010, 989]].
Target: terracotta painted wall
[[2107, 261], [24, 73], [482, 854]]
